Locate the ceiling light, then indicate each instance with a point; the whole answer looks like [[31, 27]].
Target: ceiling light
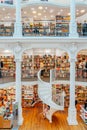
[[82, 11], [39, 14], [3, 9], [51, 11], [61, 10], [52, 16], [7, 51], [25, 12], [8, 17], [45, 7], [68, 13], [32, 9], [34, 12], [58, 13], [40, 7]]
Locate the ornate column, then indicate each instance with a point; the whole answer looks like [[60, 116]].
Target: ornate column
[[73, 24], [72, 110], [17, 52], [18, 24]]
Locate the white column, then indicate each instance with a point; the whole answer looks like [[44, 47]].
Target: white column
[[18, 24], [73, 24], [18, 90], [72, 110]]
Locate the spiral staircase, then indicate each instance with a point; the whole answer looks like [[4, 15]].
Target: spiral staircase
[[45, 94]]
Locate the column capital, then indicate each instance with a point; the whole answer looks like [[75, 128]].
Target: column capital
[[73, 51], [18, 52]]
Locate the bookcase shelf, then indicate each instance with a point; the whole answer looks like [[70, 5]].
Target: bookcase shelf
[[80, 93]]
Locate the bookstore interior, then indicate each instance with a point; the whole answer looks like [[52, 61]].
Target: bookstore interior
[[43, 63]]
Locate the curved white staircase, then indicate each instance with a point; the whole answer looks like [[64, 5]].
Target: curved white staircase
[[45, 94]]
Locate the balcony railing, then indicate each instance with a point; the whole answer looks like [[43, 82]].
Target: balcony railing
[[80, 75], [7, 29], [55, 75]]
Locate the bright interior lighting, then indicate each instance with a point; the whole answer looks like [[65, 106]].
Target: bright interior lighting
[[3, 9], [40, 7], [7, 51], [68, 13], [39, 14], [47, 51], [32, 9], [34, 12], [82, 11], [51, 11], [45, 7]]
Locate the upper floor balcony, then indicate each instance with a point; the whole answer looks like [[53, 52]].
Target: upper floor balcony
[[49, 19], [41, 29]]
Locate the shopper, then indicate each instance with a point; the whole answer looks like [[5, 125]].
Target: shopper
[[1, 66], [84, 28], [85, 105]]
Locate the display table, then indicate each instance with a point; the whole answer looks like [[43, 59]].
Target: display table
[[83, 114], [5, 122]]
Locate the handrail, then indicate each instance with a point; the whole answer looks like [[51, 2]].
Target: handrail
[[39, 78]]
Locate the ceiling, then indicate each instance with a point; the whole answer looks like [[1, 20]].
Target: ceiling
[[42, 12], [39, 51]]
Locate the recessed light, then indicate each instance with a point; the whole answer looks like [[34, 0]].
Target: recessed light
[[34, 12], [39, 14], [40, 7], [7, 51], [58, 13], [68, 13], [51, 11], [3, 9], [52, 16], [82, 11], [61, 10], [25, 12], [32, 9], [45, 7]]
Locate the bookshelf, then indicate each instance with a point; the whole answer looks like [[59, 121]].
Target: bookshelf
[[62, 25], [8, 66], [28, 94], [80, 92]]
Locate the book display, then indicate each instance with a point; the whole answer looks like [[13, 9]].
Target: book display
[[62, 25], [6, 30], [29, 93], [27, 66], [8, 66], [83, 114], [7, 94], [32, 63], [80, 93]]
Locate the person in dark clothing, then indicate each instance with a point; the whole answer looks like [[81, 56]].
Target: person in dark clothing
[[1, 66], [85, 105]]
